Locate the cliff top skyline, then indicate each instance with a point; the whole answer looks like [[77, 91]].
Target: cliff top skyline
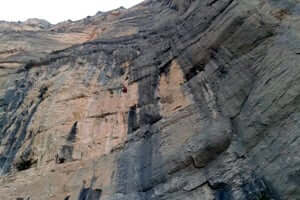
[[56, 11]]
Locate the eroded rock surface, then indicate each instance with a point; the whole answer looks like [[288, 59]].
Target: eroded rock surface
[[170, 99]]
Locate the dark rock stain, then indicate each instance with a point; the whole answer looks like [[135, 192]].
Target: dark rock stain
[[135, 164], [72, 135], [15, 142], [88, 193], [258, 188], [13, 147], [132, 120], [223, 191]]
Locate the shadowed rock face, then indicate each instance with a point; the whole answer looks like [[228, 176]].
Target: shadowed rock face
[[170, 99]]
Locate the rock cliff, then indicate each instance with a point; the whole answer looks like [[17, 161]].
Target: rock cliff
[[170, 99]]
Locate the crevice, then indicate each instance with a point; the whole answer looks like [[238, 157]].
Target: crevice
[[25, 164], [260, 40], [33, 63], [72, 135], [88, 193], [244, 102], [64, 154], [11, 51], [7, 68], [165, 67], [103, 115], [82, 96], [212, 2], [197, 187], [67, 197], [21, 198], [43, 91], [222, 191], [132, 120], [194, 71], [222, 10], [258, 189], [11, 62]]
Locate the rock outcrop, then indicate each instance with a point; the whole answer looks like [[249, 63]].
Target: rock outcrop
[[170, 99]]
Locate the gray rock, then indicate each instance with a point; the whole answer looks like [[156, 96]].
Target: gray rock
[[171, 99]]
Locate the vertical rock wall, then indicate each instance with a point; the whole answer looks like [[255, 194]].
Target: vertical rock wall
[[170, 99]]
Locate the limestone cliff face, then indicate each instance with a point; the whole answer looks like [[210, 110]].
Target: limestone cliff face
[[171, 99]]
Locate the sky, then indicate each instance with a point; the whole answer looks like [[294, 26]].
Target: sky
[[56, 11]]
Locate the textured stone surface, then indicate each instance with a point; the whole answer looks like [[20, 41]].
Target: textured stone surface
[[171, 99]]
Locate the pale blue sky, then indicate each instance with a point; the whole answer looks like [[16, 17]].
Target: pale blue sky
[[57, 10]]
